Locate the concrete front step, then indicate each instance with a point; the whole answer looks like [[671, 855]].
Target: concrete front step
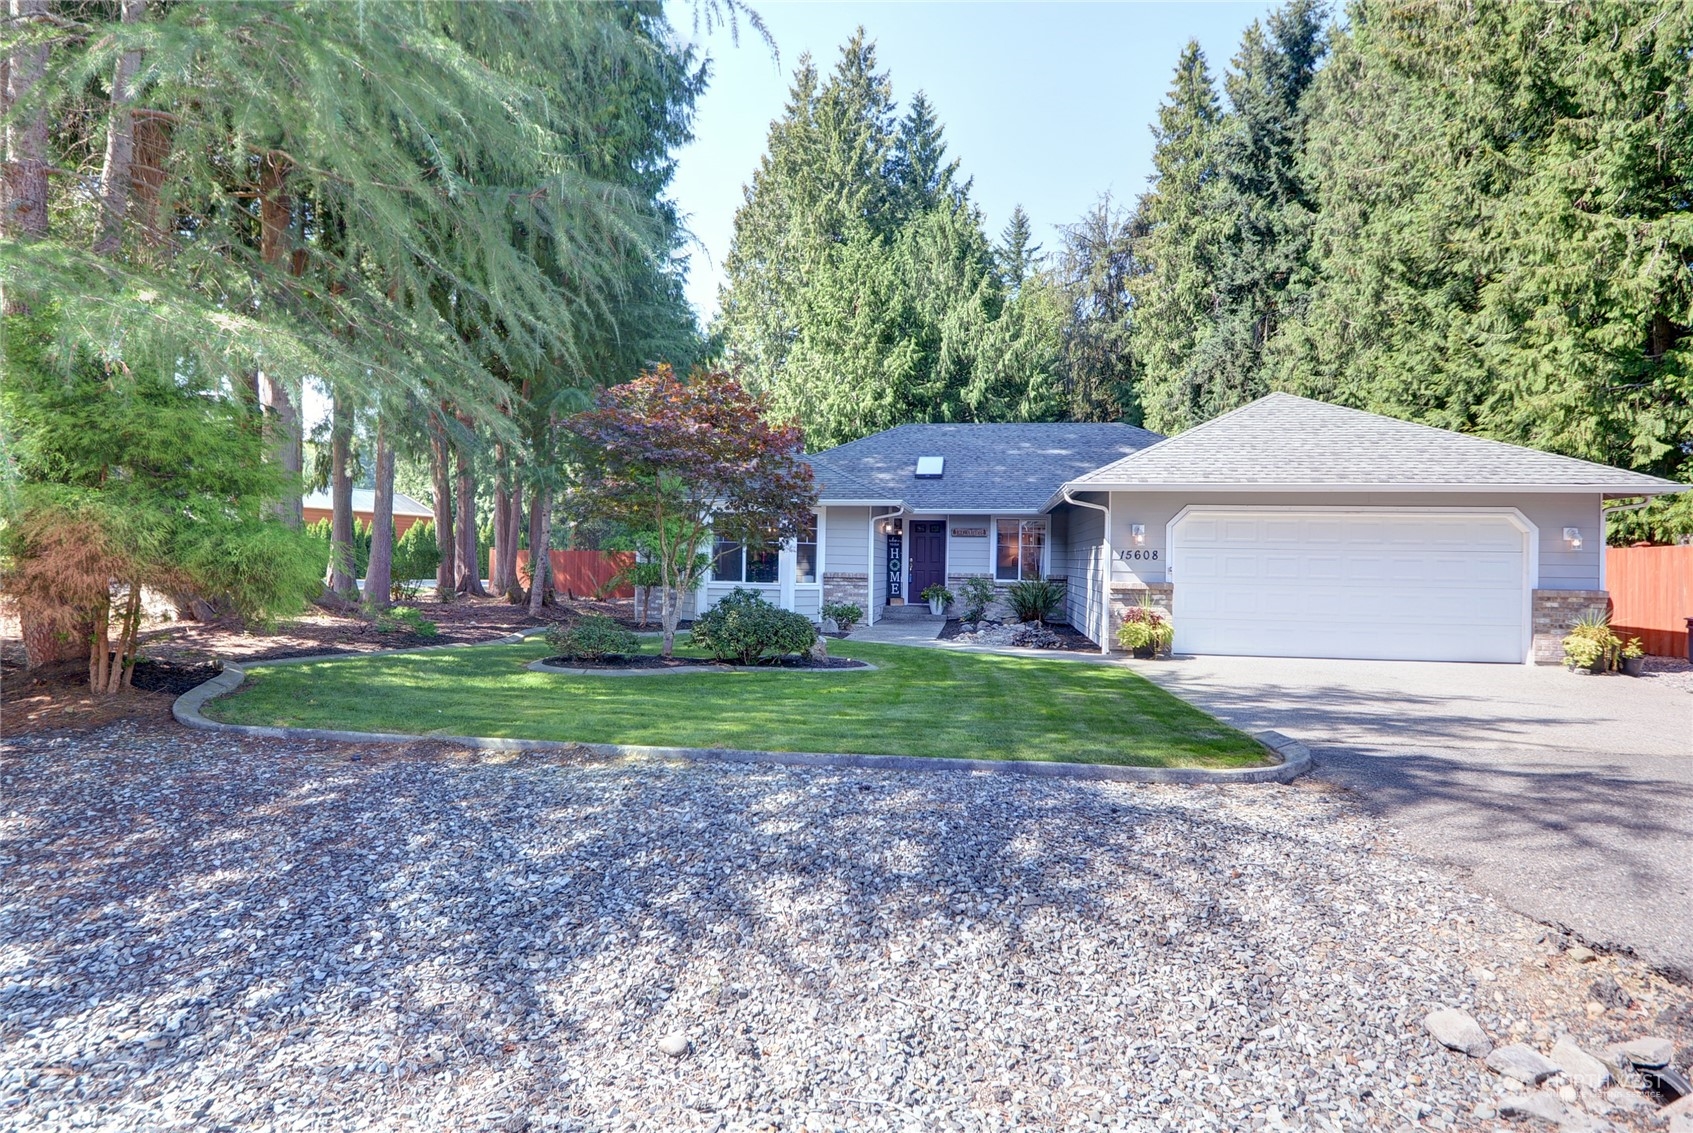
[[907, 614]]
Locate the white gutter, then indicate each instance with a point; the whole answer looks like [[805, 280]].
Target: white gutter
[[1105, 587], [870, 567]]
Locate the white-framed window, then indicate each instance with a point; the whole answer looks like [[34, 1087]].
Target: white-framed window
[[805, 552], [1019, 547], [734, 561]]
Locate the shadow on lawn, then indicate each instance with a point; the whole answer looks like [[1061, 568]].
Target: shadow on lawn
[[228, 896]]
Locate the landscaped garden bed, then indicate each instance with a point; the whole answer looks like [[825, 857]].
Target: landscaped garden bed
[[929, 703]]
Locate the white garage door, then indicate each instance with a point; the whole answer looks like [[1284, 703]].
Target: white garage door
[[1411, 586]]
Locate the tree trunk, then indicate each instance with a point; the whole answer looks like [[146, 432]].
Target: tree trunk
[[514, 587], [147, 171], [379, 577], [120, 144], [283, 427], [502, 562], [46, 643], [540, 538], [441, 471], [23, 189], [100, 649], [469, 576], [340, 577]]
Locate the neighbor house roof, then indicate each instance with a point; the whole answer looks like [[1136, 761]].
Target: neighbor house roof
[[364, 500], [1007, 468], [1283, 441]]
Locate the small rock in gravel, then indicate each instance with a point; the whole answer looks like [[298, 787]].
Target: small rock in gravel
[[675, 1044], [1522, 1062], [1579, 1066], [1581, 954], [1484, 1111], [1457, 1030], [1609, 992], [1627, 1099], [1541, 1105], [1650, 1052]]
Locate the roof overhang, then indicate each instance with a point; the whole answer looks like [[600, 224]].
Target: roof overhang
[[827, 501]]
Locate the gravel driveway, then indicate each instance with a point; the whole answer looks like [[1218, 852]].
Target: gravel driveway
[[204, 933], [1569, 796]]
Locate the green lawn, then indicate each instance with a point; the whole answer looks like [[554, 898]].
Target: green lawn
[[925, 702]]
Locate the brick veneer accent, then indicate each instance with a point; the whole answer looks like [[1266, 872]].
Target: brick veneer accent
[[844, 586], [999, 610], [1554, 612]]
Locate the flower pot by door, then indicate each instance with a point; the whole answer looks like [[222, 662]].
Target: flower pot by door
[[937, 607]]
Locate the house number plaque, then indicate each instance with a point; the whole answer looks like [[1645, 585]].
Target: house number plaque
[[1133, 556], [896, 567]]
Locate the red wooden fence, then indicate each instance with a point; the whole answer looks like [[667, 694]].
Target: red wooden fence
[[580, 574], [1651, 596]]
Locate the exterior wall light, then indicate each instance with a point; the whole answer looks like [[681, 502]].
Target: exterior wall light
[[1572, 536], [1137, 532]]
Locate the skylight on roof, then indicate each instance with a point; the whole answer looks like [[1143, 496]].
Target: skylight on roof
[[930, 467]]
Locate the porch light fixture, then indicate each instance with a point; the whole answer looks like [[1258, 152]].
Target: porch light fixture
[[1572, 536], [1137, 532]]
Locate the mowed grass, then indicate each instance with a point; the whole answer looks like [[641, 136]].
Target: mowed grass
[[923, 702]]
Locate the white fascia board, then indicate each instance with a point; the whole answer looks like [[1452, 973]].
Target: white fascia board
[[825, 502], [1471, 489]]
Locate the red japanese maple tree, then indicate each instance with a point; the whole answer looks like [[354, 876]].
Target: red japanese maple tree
[[683, 461]]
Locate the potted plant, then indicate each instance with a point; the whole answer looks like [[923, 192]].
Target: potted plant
[[1145, 631], [1634, 657], [938, 597]]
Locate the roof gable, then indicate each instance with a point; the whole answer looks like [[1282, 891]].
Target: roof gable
[[1282, 440], [1014, 467]]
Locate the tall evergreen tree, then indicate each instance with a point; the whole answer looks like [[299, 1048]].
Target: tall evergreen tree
[[1095, 276], [1502, 241], [1018, 256], [1185, 231]]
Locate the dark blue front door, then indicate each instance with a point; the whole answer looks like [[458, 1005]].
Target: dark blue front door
[[927, 552]]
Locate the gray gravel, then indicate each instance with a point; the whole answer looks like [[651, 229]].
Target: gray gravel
[[201, 933]]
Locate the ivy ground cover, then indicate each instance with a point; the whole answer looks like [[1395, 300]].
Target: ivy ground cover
[[922, 702]]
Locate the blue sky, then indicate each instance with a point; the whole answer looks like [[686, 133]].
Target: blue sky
[[1046, 104]]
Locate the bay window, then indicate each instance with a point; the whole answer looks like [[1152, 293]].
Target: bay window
[[1019, 545]]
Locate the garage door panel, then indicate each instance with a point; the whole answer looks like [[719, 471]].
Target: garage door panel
[[1377, 585]]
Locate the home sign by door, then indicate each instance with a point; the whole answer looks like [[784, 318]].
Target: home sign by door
[[896, 567]]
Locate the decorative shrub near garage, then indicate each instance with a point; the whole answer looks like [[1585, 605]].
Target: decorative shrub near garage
[[593, 638], [744, 628]]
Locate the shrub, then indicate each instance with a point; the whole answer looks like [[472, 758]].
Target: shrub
[[404, 619], [1034, 599], [593, 638], [978, 594], [415, 553], [1145, 627], [845, 615], [743, 627], [1591, 644]]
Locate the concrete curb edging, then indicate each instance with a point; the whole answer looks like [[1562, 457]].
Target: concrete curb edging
[[1295, 756]]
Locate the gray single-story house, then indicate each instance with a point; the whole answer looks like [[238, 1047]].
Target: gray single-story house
[[1288, 527]]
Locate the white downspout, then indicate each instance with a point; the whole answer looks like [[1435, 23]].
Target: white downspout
[[870, 566], [1105, 587]]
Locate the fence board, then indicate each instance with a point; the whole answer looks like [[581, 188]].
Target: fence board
[[1651, 596], [581, 574]]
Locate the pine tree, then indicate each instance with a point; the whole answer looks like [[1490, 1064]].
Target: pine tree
[[918, 173], [1096, 270]]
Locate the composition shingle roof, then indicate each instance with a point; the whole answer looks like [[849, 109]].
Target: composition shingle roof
[[988, 467], [1282, 440]]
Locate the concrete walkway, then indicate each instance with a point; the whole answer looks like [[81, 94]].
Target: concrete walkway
[[902, 631], [1569, 797]]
